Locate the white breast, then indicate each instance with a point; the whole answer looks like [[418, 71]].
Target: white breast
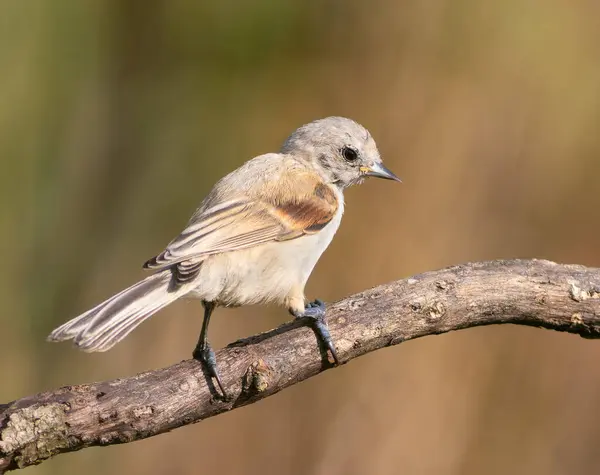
[[302, 254], [265, 273]]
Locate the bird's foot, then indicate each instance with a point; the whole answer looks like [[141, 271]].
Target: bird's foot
[[206, 355], [314, 314]]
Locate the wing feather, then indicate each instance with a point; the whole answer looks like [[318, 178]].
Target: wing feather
[[244, 222]]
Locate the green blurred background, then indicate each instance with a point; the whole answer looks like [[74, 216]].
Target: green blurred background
[[117, 116]]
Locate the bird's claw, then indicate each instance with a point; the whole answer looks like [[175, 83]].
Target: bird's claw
[[314, 313], [207, 356]]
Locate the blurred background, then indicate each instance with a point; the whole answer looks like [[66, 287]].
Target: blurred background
[[116, 117]]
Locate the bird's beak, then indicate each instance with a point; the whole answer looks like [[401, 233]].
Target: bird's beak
[[379, 170]]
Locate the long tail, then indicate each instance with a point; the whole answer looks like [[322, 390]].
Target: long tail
[[102, 327]]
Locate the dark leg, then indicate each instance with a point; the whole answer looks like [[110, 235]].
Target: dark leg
[[314, 314], [204, 352]]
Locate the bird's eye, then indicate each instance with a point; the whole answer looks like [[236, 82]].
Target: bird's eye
[[349, 154]]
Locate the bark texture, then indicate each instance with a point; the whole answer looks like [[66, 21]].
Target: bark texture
[[534, 293]]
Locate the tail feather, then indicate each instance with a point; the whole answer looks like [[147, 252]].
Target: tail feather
[[102, 327], [73, 327]]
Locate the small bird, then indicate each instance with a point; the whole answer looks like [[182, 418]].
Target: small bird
[[255, 239]]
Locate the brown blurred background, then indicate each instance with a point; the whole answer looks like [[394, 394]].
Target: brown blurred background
[[117, 116]]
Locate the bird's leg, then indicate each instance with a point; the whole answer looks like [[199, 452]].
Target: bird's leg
[[314, 314], [203, 350]]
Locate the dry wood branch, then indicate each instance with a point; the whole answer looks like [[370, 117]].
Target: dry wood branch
[[535, 293]]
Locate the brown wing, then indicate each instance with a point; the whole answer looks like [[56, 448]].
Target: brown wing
[[310, 213], [301, 207]]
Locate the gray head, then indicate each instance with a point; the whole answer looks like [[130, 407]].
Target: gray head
[[341, 150]]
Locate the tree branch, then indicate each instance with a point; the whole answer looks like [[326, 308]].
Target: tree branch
[[535, 293]]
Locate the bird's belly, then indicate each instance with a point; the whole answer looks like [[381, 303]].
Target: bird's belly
[[265, 273]]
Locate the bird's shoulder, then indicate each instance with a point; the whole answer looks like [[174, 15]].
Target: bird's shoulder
[[301, 199], [275, 179], [289, 188], [248, 179]]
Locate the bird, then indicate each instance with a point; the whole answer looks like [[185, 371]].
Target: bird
[[254, 239]]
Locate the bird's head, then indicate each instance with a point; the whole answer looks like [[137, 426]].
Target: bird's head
[[342, 151]]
